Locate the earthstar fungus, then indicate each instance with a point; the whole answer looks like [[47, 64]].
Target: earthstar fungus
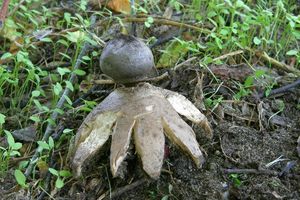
[[145, 113]]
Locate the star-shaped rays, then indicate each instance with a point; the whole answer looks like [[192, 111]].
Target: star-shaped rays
[[145, 113]]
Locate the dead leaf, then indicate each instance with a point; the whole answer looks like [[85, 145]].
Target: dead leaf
[[122, 6], [27, 134], [225, 72]]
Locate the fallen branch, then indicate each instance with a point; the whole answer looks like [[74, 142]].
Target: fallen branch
[[60, 103], [184, 63], [168, 22], [227, 55], [274, 62], [283, 89]]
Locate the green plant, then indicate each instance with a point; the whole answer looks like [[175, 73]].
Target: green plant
[[235, 178], [61, 175], [11, 151], [20, 177], [251, 81], [212, 103]]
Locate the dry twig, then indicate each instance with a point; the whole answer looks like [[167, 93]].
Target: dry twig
[[282, 89], [167, 22], [274, 62], [227, 55]]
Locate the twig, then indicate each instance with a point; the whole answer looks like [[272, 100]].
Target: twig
[[275, 62], [60, 103], [283, 89], [258, 171], [126, 188], [184, 63], [103, 82], [3, 12], [228, 54], [157, 78], [168, 22]]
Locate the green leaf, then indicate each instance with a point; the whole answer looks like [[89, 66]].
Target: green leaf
[[65, 173], [35, 118], [43, 145], [53, 171], [150, 20], [68, 100], [65, 55], [69, 85], [76, 36], [86, 58], [63, 42], [20, 177], [38, 104], [16, 146], [59, 183], [292, 52], [51, 142], [147, 24], [35, 93], [259, 73], [10, 138], [79, 72], [6, 55], [58, 110], [67, 17], [46, 39], [57, 88], [67, 130], [219, 42], [63, 71], [256, 40], [12, 153], [2, 119], [224, 32]]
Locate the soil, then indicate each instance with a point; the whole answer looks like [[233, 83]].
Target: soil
[[239, 142]]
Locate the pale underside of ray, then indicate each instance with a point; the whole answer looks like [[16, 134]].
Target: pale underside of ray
[[111, 103], [180, 133], [100, 132], [149, 143], [120, 141], [186, 108]]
